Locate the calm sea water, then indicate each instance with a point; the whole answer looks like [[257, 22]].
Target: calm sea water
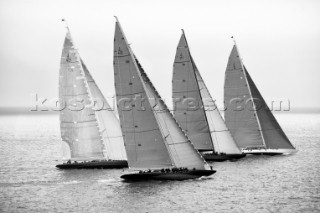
[[29, 182]]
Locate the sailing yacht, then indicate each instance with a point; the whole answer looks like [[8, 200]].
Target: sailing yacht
[[91, 138], [248, 117], [154, 142], [196, 112]]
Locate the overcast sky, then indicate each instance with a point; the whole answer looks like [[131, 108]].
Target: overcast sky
[[279, 42]]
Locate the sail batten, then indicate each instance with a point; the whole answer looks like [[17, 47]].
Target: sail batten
[[161, 143], [247, 116]]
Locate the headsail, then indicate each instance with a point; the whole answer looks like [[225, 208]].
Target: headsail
[[248, 116], [273, 134], [109, 124], [187, 82], [152, 137]]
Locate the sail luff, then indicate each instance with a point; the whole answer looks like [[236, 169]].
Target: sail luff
[[253, 103]]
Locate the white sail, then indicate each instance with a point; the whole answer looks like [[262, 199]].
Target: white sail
[[109, 125], [87, 134], [78, 124], [248, 116], [219, 135], [152, 137]]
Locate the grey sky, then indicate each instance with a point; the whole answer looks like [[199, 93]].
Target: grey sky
[[279, 43]]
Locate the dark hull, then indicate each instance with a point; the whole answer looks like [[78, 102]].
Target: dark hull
[[145, 176], [220, 158], [115, 164]]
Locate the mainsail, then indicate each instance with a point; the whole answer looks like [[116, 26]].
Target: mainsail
[[247, 116], [152, 137], [85, 134], [194, 109]]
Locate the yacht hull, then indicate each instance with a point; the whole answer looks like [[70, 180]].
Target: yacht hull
[[114, 164], [145, 176], [221, 158], [270, 152]]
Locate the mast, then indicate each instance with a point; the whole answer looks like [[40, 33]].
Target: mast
[[253, 104]]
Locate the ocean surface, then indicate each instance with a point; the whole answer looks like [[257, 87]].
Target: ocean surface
[[29, 181]]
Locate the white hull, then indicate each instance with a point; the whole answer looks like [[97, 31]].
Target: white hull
[[270, 151]]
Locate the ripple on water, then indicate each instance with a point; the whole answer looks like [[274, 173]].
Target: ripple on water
[[30, 148]]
